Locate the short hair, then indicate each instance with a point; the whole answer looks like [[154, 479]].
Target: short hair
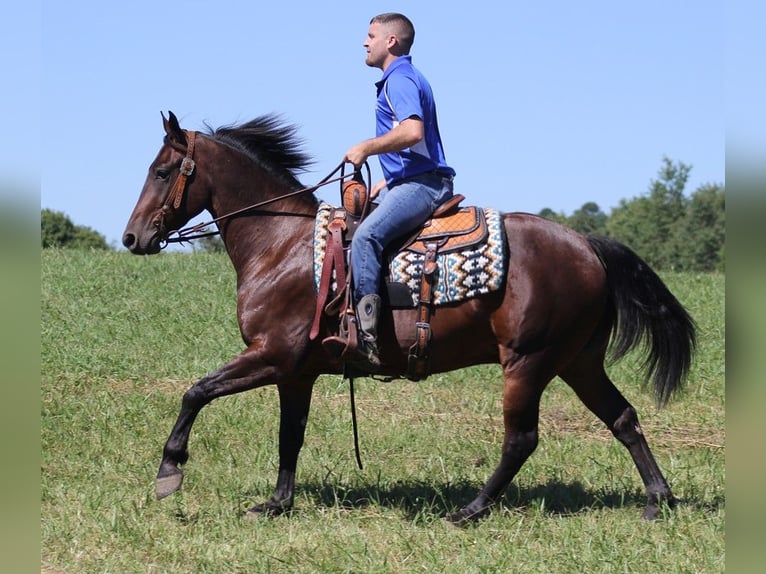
[[405, 31]]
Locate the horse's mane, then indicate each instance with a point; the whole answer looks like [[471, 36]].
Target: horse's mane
[[268, 141]]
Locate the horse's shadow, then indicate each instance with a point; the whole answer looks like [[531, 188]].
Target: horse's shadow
[[421, 499]]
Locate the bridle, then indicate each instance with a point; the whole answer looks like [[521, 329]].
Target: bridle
[[186, 169], [198, 231]]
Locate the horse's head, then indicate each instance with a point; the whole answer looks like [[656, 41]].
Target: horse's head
[[164, 204]]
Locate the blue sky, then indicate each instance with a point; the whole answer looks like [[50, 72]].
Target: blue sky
[[545, 104]]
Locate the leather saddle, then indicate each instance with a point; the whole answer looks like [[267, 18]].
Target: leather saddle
[[452, 225], [450, 228]]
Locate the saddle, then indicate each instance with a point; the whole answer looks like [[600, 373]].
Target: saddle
[[451, 227]]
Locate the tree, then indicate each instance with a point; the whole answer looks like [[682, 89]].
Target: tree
[[548, 213], [210, 244], [57, 230], [699, 239], [648, 223], [588, 220]]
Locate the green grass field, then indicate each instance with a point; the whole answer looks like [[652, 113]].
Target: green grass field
[[123, 337]]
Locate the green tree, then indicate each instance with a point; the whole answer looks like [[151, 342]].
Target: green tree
[[648, 223], [210, 244], [589, 219], [699, 239], [548, 213], [57, 230]]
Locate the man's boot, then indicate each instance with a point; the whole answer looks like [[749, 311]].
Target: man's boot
[[368, 314]]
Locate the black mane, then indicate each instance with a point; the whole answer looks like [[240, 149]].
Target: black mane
[[268, 141]]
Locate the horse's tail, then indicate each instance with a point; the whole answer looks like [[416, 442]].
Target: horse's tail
[[647, 313]]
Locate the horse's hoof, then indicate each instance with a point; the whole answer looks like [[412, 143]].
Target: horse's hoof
[[265, 510], [458, 520], [253, 514], [651, 513], [466, 516], [657, 509], [167, 485]]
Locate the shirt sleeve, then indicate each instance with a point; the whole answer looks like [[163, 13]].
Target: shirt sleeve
[[404, 95]]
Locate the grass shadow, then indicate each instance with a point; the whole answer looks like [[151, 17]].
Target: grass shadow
[[417, 498]]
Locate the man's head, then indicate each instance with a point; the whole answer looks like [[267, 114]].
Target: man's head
[[390, 35]]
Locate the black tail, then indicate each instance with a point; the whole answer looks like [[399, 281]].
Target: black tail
[[647, 313]]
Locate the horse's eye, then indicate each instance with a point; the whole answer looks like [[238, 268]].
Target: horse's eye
[[162, 173]]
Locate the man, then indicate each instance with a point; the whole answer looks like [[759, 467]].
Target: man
[[416, 178]]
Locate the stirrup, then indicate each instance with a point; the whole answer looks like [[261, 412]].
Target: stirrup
[[345, 342], [352, 352], [337, 346]]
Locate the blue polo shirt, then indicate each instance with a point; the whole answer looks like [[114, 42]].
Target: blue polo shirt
[[403, 92]]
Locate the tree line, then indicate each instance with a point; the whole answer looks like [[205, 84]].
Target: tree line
[[667, 228], [58, 230]]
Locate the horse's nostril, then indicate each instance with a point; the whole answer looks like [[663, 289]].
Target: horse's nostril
[[128, 240]]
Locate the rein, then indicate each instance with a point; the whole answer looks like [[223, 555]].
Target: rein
[[198, 231]]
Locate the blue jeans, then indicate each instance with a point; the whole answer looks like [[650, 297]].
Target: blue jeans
[[402, 208]]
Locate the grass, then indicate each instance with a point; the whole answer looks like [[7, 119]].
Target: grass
[[123, 337]]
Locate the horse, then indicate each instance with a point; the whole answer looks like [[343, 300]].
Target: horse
[[569, 303]]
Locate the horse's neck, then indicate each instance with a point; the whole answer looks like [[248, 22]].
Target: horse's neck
[[261, 237], [262, 240]]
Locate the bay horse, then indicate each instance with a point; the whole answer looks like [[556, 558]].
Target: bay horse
[[565, 298]]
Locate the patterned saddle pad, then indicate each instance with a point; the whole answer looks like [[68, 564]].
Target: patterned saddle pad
[[462, 272]]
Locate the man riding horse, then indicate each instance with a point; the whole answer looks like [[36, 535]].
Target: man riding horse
[[416, 180]]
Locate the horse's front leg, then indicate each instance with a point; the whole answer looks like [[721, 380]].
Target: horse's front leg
[[246, 371], [294, 404]]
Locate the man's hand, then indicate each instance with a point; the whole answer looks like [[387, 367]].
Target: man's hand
[[357, 155], [379, 185]]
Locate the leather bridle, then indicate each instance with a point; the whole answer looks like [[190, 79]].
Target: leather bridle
[[173, 201], [186, 169]]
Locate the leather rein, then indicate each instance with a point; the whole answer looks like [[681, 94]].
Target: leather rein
[[188, 165]]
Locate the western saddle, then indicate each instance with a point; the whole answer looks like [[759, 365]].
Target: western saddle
[[450, 228]]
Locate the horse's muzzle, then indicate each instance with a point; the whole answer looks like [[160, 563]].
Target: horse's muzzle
[[147, 246]]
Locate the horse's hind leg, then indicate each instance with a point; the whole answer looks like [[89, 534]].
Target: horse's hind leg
[[521, 407], [591, 383]]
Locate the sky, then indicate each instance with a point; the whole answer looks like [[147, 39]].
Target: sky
[[541, 105]]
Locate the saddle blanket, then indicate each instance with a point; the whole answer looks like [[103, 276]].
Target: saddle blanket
[[460, 274]]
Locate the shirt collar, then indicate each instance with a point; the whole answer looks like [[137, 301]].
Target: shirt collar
[[400, 61]]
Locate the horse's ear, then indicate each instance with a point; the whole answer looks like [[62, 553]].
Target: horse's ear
[[172, 128]]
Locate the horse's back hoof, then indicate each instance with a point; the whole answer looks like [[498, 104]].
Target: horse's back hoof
[[268, 509], [466, 516], [657, 509], [167, 485], [252, 514]]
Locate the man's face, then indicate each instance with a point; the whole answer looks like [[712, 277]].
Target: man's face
[[377, 44]]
